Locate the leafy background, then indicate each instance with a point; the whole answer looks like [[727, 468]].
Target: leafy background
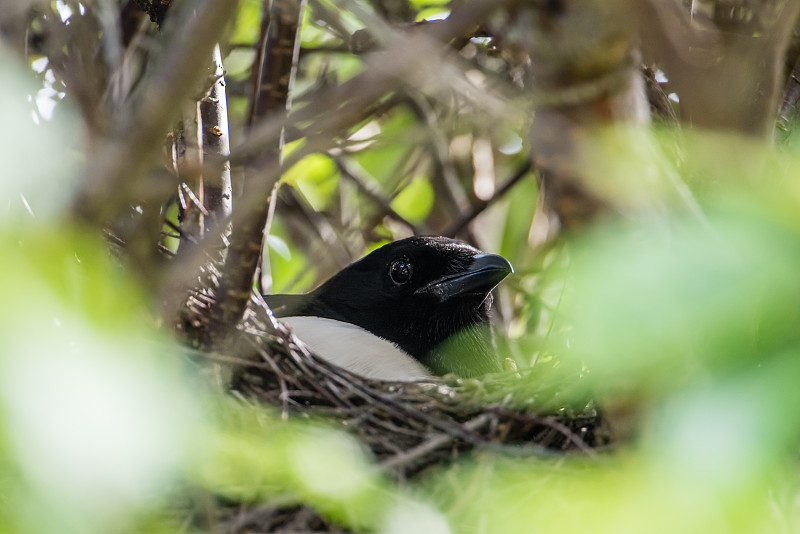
[[681, 327]]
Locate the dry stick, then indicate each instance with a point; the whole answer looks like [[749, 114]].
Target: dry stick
[[396, 408], [281, 47], [321, 226], [258, 70], [430, 445], [555, 425], [217, 188], [479, 207], [187, 160], [177, 229]]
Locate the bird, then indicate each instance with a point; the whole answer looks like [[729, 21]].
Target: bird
[[411, 309]]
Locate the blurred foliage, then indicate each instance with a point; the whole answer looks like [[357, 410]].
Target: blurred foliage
[[683, 327]]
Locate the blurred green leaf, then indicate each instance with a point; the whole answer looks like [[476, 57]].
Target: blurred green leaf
[[420, 4], [252, 454], [280, 246], [317, 178], [710, 460], [238, 63], [96, 418], [289, 274], [313, 35], [519, 216], [390, 148], [415, 201], [625, 494], [652, 310], [433, 13], [247, 27], [730, 431]]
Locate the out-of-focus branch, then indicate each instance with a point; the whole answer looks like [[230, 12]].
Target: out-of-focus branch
[[585, 64], [114, 173], [726, 64], [155, 9]]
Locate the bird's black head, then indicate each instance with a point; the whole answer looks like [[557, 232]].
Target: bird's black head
[[428, 295]]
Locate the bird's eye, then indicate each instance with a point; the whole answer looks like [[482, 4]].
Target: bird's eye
[[400, 271]]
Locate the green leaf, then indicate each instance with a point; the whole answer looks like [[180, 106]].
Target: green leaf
[[415, 201], [252, 454], [292, 273], [96, 419], [317, 178], [247, 28], [389, 148], [653, 310], [39, 155]]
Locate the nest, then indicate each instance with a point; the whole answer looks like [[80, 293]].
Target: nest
[[410, 427]]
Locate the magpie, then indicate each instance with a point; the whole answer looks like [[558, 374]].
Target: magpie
[[412, 308]]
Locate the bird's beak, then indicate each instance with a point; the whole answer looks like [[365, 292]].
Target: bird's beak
[[483, 274]]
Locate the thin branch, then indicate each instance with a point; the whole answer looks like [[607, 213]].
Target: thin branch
[[426, 447], [374, 195], [479, 207], [217, 188]]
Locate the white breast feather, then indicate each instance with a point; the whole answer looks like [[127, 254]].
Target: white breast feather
[[355, 349]]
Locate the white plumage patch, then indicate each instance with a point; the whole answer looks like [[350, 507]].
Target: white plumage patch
[[355, 349]]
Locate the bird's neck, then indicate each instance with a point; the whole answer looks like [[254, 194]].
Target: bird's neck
[[468, 353]]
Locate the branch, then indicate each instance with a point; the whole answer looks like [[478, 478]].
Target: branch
[[479, 207], [113, 174], [374, 195], [217, 188], [281, 47], [789, 114]]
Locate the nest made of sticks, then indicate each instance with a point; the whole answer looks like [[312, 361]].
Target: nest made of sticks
[[410, 427]]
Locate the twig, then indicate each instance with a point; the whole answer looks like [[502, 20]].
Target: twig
[[435, 442], [217, 188], [555, 425], [373, 194], [479, 207], [440, 152]]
